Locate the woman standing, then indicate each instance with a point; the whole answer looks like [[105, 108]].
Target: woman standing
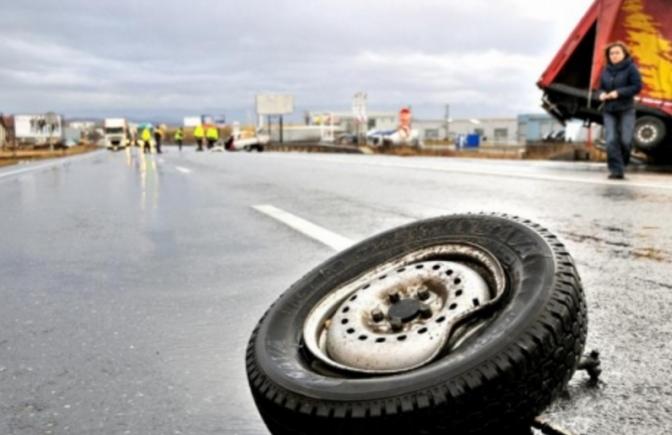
[[619, 83]]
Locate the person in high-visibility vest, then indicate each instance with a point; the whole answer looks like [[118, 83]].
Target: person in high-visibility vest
[[146, 137], [213, 136], [158, 135], [198, 135], [179, 135]]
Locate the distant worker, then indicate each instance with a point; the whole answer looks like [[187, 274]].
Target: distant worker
[[212, 134], [198, 135], [179, 136], [619, 83], [158, 134], [146, 137]]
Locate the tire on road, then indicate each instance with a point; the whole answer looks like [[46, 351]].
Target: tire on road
[[650, 132], [514, 364]]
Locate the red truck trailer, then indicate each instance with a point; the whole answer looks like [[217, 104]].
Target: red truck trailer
[[571, 81]]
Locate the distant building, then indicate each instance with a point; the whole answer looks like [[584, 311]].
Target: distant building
[[493, 131], [524, 129], [3, 132], [535, 127], [347, 122], [431, 129], [81, 125]]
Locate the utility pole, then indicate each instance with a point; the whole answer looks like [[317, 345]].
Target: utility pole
[[447, 121], [281, 127]]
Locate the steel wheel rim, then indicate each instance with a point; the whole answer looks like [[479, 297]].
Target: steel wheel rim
[[363, 327]]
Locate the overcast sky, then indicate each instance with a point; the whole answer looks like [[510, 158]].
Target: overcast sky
[[172, 58]]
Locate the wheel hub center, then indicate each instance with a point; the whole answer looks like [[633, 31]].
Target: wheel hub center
[[405, 310]]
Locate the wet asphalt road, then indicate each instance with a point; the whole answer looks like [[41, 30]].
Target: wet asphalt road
[[129, 285]]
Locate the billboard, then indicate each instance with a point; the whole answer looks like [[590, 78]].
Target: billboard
[[43, 126], [192, 121], [213, 120], [275, 104]]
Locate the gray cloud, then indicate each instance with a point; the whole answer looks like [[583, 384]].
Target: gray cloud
[[174, 58]]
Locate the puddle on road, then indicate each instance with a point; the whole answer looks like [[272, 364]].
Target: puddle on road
[[628, 193], [651, 254], [621, 248], [580, 238]]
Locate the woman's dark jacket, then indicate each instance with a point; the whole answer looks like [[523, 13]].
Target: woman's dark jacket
[[624, 78]]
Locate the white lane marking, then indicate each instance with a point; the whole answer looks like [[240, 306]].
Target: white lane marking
[[183, 170], [451, 167], [323, 235], [60, 161]]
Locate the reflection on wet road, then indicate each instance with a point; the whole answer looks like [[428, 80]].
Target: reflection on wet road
[[130, 283]]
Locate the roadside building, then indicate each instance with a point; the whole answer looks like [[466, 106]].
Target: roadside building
[[3, 132], [492, 131], [431, 129], [536, 127], [347, 122], [81, 125]]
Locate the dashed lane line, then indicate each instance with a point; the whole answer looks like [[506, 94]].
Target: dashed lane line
[[316, 232]]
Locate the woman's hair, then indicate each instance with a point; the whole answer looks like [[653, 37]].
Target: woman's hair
[[624, 47]]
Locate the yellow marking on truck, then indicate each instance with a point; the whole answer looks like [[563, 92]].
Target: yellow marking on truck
[[651, 48]]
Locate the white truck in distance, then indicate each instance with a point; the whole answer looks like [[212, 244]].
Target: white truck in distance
[[116, 133]]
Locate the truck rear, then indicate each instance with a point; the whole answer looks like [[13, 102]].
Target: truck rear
[[571, 81]]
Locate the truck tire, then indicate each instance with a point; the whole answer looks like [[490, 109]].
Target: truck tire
[[650, 132], [510, 355]]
